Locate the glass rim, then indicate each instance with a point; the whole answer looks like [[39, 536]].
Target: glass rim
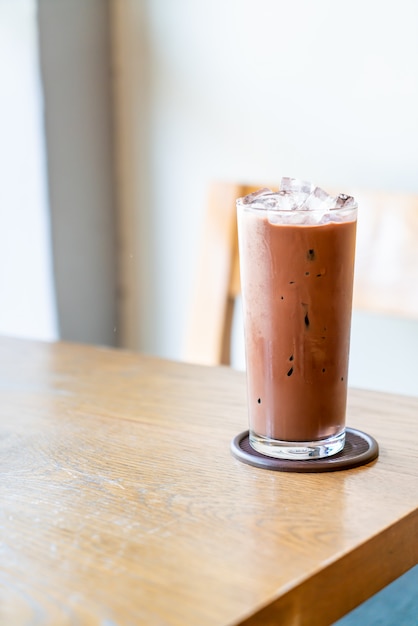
[[250, 206]]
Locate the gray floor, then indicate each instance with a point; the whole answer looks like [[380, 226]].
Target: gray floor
[[396, 605]]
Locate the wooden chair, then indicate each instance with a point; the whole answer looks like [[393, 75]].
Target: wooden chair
[[386, 274]]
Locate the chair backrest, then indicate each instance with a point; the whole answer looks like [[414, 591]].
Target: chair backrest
[[386, 272]]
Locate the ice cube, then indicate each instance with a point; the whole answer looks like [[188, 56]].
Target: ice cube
[[295, 191], [318, 217], [343, 201], [256, 195], [287, 217], [295, 185], [268, 201], [318, 200], [287, 201], [275, 217], [302, 202], [280, 202]]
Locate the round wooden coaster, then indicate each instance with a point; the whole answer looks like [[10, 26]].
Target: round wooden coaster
[[359, 449]]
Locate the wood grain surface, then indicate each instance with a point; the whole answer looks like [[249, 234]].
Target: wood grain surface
[[121, 503]]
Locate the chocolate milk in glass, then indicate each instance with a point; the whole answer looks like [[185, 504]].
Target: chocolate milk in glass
[[297, 260]]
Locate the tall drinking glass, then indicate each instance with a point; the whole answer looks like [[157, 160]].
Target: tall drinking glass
[[297, 266]]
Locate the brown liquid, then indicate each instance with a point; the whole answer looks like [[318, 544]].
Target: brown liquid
[[297, 297]]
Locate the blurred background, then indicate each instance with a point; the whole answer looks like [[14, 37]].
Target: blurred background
[[116, 115]]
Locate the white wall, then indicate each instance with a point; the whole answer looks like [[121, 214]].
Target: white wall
[[58, 268], [253, 90], [27, 303], [259, 88], [76, 76]]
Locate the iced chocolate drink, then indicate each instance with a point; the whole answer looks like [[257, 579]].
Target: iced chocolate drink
[[297, 260]]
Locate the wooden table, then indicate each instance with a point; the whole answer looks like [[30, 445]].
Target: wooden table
[[121, 503]]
